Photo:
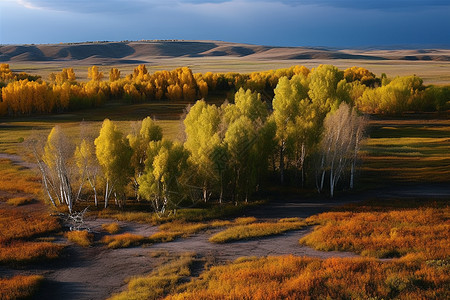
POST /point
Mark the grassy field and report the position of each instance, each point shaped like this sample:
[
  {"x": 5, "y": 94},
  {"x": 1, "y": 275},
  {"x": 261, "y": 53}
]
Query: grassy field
[
  {"x": 406, "y": 150},
  {"x": 435, "y": 72}
]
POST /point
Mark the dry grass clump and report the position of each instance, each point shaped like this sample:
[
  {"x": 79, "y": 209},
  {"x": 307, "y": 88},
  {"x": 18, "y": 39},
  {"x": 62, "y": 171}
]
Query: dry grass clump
[
  {"x": 123, "y": 240},
  {"x": 19, "y": 287},
  {"x": 129, "y": 216},
  {"x": 111, "y": 228},
  {"x": 253, "y": 230},
  {"x": 159, "y": 283},
  {"x": 290, "y": 277},
  {"x": 422, "y": 232},
  {"x": 28, "y": 252},
  {"x": 81, "y": 237},
  {"x": 18, "y": 201},
  {"x": 176, "y": 229},
  {"x": 244, "y": 220}
]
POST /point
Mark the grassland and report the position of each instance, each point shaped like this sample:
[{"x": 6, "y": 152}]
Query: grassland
[
  {"x": 406, "y": 151},
  {"x": 289, "y": 277},
  {"x": 432, "y": 72},
  {"x": 422, "y": 232}
]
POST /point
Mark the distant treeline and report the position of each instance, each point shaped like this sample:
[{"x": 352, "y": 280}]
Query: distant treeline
[{"x": 23, "y": 94}]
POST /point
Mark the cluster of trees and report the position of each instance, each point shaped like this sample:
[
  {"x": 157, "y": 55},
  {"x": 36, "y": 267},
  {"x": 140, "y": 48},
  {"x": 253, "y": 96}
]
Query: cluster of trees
[
  {"x": 22, "y": 94},
  {"x": 312, "y": 136}
]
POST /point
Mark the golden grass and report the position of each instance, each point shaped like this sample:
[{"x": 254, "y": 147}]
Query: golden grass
[
  {"x": 253, "y": 230},
  {"x": 290, "y": 277},
  {"x": 18, "y": 224},
  {"x": 16, "y": 180},
  {"x": 157, "y": 284},
  {"x": 19, "y": 287},
  {"x": 111, "y": 228},
  {"x": 28, "y": 252},
  {"x": 82, "y": 238},
  {"x": 123, "y": 240},
  {"x": 420, "y": 232},
  {"x": 19, "y": 201}
]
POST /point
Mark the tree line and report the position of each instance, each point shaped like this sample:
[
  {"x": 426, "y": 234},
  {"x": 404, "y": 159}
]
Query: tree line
[
  {"x": 23, "y": 94},
  {"x": 310, "y": 137}
]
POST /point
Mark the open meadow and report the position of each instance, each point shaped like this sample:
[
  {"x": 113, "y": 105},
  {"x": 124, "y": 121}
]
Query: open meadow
[{"x": 386, "y": 238}]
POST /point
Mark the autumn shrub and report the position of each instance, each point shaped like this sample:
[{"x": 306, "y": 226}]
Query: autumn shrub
[
  {"x": 28, "y": 252},
  {"x": 290, "y": 277},
  {"x": 19, "y": 287},
  {"x": 123, "y": 240},
  {"x": 111, "y": 228},
  {"x": 253, "y": 230},
  {"x": 82, "y": 237},
  {"x": 423, "y": 231}
]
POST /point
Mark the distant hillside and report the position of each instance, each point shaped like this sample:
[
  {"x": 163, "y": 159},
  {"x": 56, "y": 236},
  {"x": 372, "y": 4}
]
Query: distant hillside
[{"x": 145, "y": 51}]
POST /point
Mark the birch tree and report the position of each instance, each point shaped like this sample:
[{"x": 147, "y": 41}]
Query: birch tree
[
  {"x": 54, "y": 160},
  {"x": 343, "y": 132},
  {"x": 113, "y": 154}
]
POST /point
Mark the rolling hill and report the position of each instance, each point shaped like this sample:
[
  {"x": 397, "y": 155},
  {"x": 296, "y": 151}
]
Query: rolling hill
[{"x": 135, "y": 52}]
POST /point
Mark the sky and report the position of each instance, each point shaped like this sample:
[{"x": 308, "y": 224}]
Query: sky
[{"x": 328, "y": 23}]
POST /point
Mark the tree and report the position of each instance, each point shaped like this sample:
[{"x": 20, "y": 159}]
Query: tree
[
  {"x": 165, "y": 165},
  {"x": 113, "y": 154},
  {"x": 54, "y": 163},
  {"x": 94, "y": 74},
  {"x": 202, "y": 137},
  {"x": 340, "y": 144},
  {"x": 285, "y": 109},
  {"x": 143, "y": 133},
  {"x": 88, "y": 166},
  {"x": 114, "y": 74}
]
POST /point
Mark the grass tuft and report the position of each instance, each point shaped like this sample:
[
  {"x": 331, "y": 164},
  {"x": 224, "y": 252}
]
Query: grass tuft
[
  {"x": 123, "y": 240},
  {"x": 244, "y": 232},
  {"x": 19, "y": 201},
  {"x": 111, "y": 228},
  {"x": 82, "y": 238}
]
